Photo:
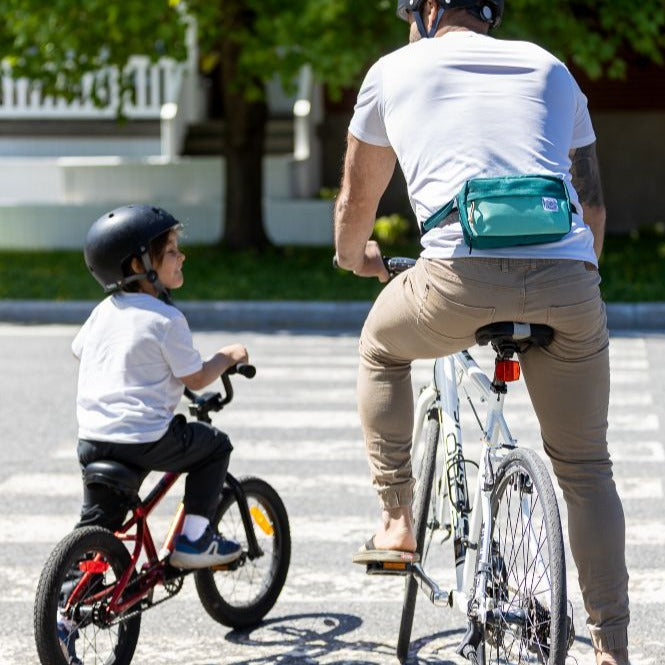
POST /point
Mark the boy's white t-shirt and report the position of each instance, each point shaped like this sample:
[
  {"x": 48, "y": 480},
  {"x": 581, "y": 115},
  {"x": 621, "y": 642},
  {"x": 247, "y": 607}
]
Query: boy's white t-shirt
[
  {"x": 131, "y": 349},
  {"x": 466, "y": 105}
]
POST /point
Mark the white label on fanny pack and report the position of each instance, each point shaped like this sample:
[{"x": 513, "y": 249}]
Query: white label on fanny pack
[{"x": 550, "y": 204}]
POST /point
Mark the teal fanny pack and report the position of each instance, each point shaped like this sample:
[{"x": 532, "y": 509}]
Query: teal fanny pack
[{"x": 508, "y": 211}]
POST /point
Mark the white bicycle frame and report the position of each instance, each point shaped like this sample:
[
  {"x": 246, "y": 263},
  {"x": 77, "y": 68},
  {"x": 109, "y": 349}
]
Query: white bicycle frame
[{"x": 442, "y": 394}]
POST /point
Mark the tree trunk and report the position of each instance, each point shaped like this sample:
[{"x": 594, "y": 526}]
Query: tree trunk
[{"x": 245, "y": 129}]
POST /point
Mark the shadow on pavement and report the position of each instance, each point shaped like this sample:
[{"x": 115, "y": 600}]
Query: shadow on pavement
[{"x": 308, "y": 639}]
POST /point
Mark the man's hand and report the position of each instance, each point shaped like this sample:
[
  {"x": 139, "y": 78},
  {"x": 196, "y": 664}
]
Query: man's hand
[{"x": 372, "y": 263}]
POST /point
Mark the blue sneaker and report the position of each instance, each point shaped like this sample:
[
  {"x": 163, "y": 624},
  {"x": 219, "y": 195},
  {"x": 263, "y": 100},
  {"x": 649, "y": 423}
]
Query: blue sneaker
[
  {"x": 209, "y": 550},
  {"x": 67, "y": 637}
]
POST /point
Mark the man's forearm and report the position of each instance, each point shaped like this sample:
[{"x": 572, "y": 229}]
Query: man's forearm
[
  {"x": 353, "y": 227},
  {"x": 367, "y": 171},
  {"x": 585, "y": 173}
]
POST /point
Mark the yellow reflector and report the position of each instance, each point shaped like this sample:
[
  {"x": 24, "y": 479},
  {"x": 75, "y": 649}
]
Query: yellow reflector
[
  {"x": 261, "y": 520},
  {"x": 389, "y": 565}
]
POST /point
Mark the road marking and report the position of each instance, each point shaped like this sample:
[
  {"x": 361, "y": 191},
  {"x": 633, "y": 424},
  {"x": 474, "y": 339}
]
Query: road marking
[
  {"x": 637, "y": 451},
  {"x": 42, "y": 484},
  {"x": 645, "y": 533},
  {"x": 639, "y": 488},
  {"x": 55, "y": 330}
]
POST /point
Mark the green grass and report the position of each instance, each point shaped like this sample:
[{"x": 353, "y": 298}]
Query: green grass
[
  {"x": 211, "y": 273},
  {"x": 632, "y": 268}
]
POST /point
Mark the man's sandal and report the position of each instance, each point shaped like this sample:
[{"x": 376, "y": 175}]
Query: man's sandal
[{"x": 387, "y": 562}]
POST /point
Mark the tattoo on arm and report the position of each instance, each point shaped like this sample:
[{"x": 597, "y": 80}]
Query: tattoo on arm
[{"x": 586, "y": 176}]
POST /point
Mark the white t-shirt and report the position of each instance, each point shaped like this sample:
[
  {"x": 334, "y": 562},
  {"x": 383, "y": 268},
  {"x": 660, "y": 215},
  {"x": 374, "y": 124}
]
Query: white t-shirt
[
  {"x": 132, "y": 348},
  {"x": 465, "y": 106}
]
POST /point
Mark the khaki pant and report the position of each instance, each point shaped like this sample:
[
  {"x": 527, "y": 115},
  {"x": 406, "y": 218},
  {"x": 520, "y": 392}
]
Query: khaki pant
[{"x": 434, "y": 310}]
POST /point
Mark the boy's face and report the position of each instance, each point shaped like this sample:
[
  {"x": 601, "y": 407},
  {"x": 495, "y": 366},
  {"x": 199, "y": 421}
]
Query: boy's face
[{"x": 169, "y": 269}]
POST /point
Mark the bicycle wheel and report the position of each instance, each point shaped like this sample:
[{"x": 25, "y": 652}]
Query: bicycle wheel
[
  {"x": 421, "y": 510},
  {"x": 241, "y": 597},
  {"x": 86, "y": 628},
  {"x": 527, "y": 578}
]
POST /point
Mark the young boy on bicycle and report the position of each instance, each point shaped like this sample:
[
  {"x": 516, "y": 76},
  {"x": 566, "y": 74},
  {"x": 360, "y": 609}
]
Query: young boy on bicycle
[{"x": 136, "y": 357}]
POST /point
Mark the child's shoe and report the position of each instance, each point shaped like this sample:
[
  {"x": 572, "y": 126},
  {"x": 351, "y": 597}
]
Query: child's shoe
[
  {"x": 67, "y": 637},
  {"x": 210, "y": 549}
]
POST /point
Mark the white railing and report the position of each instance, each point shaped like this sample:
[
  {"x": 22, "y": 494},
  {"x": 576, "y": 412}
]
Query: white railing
[
  {"x": 185, "y": 107},
  {"x": 307, "y": 115},
  {"x": 153, "y": 85}
]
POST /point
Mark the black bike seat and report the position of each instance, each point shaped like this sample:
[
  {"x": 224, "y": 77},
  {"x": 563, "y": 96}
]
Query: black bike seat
[
  {"x": 116, "y": 475},
  {"x": 520, "y": 336}
]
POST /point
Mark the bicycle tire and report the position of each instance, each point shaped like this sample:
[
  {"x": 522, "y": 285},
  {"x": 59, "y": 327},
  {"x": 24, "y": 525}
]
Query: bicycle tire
[
  {"x": 95, "y": 641},
  {"x": 530, "y": 590},
  {"x": 240, "y": 598},
  {"x": 421, "y": 504}
]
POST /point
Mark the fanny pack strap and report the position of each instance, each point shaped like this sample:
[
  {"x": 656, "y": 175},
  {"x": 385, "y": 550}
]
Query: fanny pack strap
[{"x": 434, "y": 220}]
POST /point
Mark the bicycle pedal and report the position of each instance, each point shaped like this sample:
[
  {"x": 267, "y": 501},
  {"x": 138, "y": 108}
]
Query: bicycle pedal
[
  {"x": 389, "y": 568},
  {"x": 240, "y": 561}
]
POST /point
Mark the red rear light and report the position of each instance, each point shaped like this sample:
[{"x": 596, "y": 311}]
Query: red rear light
[
  {"x": 507, "y": 370},
  {"x": 93, "y": 566}
]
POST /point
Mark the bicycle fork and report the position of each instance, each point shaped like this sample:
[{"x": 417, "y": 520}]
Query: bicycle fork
[{"x": 253, "y": 549}]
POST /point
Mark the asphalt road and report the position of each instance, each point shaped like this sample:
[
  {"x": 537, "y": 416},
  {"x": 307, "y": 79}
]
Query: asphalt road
[{"x": 295, "y": 425}]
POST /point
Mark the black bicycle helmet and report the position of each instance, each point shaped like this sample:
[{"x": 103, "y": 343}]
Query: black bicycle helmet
[
  {"x": 489, "y": 11},
  {"x": 118, "y": 236}
]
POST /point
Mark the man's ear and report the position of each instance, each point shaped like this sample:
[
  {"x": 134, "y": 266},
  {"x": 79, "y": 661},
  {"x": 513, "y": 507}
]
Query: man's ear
[{"x": 430, "y": 13}]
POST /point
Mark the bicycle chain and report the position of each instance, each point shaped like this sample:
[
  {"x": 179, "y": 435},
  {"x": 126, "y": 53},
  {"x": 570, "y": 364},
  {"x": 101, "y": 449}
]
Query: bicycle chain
[{"x": 173, "y": 587}]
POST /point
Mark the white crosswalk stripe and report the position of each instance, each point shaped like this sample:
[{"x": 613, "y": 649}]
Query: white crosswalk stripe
[{"x": 296, "y": 425}]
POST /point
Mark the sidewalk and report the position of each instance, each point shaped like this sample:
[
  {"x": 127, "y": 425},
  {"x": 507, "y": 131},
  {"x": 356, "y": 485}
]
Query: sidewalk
[{"x": 286, "y": 315}]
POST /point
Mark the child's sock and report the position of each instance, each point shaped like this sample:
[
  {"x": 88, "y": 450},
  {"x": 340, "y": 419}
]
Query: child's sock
[{"x": 194, "y": 526}]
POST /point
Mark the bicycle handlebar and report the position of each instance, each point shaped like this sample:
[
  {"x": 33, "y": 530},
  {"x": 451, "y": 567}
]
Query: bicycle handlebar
[
  {"x": 394, "y": 264},
  {"x": 245, "y": 369},
  {"x": 203, "y": 404},
  {"x": 397, "y": 264}
]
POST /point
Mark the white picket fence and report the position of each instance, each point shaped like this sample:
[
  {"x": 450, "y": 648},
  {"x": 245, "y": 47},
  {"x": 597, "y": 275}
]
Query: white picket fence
[{"x": 153, "y": 85}]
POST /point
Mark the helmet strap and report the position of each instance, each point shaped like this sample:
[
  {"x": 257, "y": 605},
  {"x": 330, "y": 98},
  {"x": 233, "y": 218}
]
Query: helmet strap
[
  {"x": 152, "y": 277},
  {"x": 435, "y": 26}
]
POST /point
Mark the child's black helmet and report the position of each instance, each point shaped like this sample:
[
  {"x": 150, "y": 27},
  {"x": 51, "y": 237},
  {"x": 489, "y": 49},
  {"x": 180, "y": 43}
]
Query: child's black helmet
[
  {"x": 489, "y": 11},
  {"x": 118, "y": 236}
]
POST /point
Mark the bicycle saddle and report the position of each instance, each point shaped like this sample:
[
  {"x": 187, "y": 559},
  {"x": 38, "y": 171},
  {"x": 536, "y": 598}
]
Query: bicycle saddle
[
  {"x": 116, "y": 475},
  {"x": 510, "y": 336}
]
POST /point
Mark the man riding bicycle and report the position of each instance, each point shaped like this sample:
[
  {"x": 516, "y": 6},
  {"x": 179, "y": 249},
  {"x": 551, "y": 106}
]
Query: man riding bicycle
[{"x": 469, "y": 117}]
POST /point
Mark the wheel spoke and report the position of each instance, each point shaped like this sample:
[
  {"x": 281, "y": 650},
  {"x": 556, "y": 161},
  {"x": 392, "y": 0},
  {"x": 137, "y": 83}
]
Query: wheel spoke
[
  {"x": 242, "y": 595},
  {"x": 524, "y": 564},
  {"x": 71, "y": 603}
]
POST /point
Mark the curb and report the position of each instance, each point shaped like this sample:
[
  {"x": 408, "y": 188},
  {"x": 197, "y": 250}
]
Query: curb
[
  {"x": 209, "y": 315},
  {"x": 285, "y": 315}
]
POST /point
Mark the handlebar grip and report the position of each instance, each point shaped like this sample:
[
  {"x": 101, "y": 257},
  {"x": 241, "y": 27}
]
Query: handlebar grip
[
  {"x": 397, "y": 264},
  {"x": 245, "y": 369}
]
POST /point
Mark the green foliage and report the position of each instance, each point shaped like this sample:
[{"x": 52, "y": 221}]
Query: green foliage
[
  {"x": 391, "y": 230},
  {"x": 56, "y": 42},
  {"x": 277, "y": 37},
  {"x": 328, "y": 193},
  {"x": 596, "y": 35}
]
